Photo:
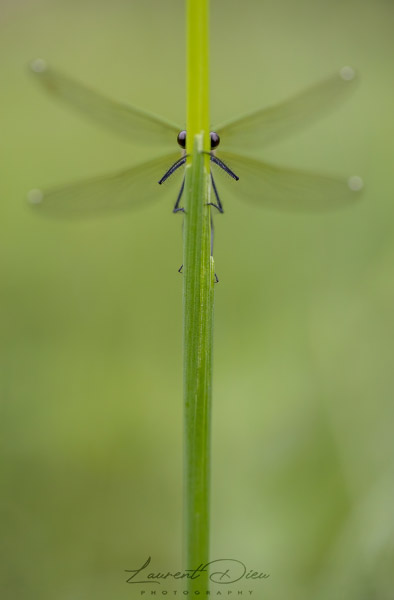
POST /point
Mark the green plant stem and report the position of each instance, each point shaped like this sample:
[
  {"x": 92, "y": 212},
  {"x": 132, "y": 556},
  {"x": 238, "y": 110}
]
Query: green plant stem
[{"x": 197, "y": 297}]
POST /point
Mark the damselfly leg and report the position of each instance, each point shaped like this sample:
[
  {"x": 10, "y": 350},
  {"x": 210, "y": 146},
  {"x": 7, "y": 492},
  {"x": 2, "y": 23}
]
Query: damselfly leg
[
  {"x": 223, "y": 166},
  {"x": 229, "y": 172},
  {"x": 176, "y": 207},
  {"x": 212, "y": 236},
  {"x": 168, "y": 174},
  {"x": 218, "y": 204},
  {"x": 173, "y": 168}
]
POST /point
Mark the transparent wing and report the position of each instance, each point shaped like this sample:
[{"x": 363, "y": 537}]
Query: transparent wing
[
  {"x": 127, "y": 120},
  {"x": 269, "y": 124},
  {"x": 116, "y": 192},
  {"x": 280, "y": 188}
]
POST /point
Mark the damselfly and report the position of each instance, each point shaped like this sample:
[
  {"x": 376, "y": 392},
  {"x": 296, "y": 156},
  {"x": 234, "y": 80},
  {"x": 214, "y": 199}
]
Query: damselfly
[{"x": 260, "y": 182}]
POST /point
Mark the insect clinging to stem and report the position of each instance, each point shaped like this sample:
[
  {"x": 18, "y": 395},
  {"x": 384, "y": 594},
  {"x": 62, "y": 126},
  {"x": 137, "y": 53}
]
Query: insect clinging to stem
[{"x": 260, "y": 182}]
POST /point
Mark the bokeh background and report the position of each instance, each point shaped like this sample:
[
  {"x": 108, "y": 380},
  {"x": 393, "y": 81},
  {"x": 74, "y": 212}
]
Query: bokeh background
[{"x": 91, "y": 322}]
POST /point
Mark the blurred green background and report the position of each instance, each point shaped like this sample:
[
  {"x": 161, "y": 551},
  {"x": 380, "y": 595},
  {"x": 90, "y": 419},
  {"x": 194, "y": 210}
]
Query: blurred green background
[{"x": 91, "y": 364}]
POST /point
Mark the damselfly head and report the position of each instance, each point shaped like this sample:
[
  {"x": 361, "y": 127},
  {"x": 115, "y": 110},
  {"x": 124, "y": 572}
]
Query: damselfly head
[
  {"x": 215, "y": 139},
  {"x": 181, "y": 139}
]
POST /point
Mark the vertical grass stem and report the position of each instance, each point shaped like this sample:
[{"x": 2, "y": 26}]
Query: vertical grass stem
[{"x": 198, "y": 298}]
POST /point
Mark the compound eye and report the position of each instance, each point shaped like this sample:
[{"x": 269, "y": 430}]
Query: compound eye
[
  {"x": 181, "y": 139},
  {"x": 215, "y": 140}
]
